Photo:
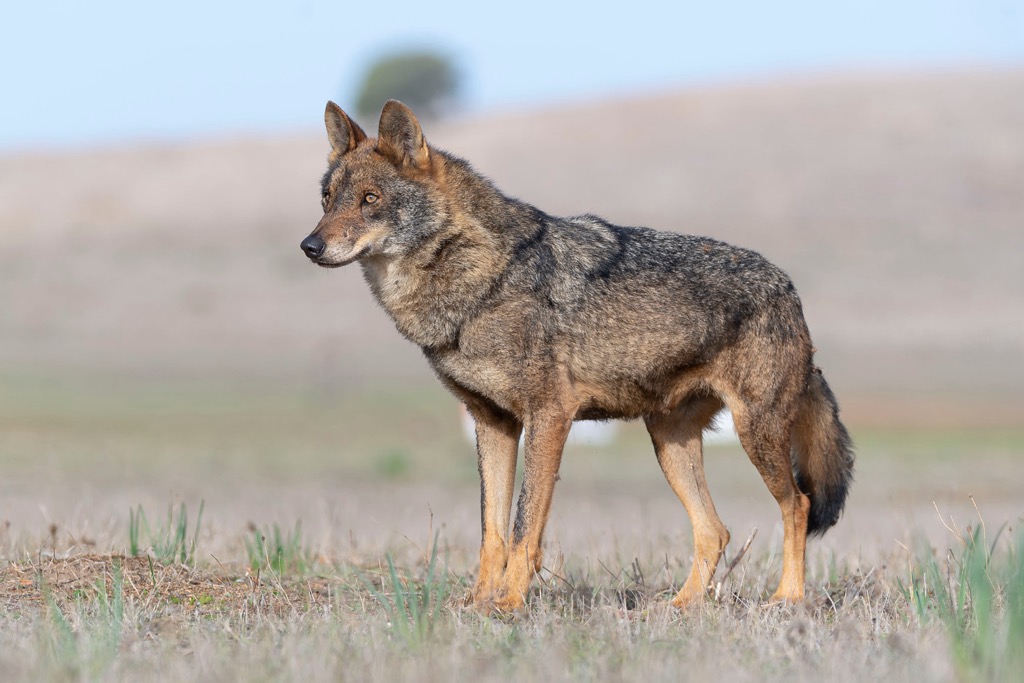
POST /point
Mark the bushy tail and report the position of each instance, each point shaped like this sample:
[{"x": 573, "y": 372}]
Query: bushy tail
[{"x": 822, "y": 454}]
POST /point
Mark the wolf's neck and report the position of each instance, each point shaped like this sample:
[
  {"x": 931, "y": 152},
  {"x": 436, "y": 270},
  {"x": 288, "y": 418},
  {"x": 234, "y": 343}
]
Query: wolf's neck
[
  {"x": 477, "y": 200},
  {"x": 430, "y": 294}
]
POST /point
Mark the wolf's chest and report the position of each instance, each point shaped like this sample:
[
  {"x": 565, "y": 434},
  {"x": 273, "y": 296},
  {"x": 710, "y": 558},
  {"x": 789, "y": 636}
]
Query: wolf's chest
[
  {"x": 497, "y": 377},
  {"x": 421, "y": 314}
]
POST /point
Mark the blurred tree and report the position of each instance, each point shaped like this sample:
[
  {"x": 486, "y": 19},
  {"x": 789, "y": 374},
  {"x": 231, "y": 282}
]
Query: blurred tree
[{"x": 426, "y": 81}]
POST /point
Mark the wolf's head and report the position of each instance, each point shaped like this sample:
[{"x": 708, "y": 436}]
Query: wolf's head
[{"x": 380, "y": 195}]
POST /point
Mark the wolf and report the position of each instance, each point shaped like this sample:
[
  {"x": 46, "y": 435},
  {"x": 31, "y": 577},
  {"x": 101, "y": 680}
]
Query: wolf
[{"x": 534, "y": 321}]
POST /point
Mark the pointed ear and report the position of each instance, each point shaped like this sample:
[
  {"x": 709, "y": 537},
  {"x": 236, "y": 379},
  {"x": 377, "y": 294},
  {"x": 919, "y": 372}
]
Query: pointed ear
[
  {"x": 342, "y": 131},
  {"x": 400, "y": 137}
]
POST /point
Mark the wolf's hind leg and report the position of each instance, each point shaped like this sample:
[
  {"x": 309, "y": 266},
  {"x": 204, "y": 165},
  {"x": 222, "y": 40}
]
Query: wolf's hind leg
[
  {"x": 766, "y": 439},
  {"x": 678, "y": 444},
  {"x": 497, "y": 444}
]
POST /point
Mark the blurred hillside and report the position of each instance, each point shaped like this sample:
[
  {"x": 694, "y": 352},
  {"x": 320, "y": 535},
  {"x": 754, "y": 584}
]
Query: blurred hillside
[{"x": 895, "y": 202}]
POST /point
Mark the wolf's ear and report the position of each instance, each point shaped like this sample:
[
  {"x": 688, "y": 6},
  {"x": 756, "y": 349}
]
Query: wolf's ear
[
  {"x": 400, "y": 137},
  {"x": 342, "y": 131}
]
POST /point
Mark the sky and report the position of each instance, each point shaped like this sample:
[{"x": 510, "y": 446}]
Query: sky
[{"x": 95, "y": 73}]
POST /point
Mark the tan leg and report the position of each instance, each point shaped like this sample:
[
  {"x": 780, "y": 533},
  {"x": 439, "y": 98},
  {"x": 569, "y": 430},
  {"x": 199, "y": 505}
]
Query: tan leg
[
  {"x": 545, "y": 437},
  {"x": 677, "y": 442},
  {"x": 769, "y": 449},
  {"x": 794, "y": 547},
  {"x": 497, "y": 443}
]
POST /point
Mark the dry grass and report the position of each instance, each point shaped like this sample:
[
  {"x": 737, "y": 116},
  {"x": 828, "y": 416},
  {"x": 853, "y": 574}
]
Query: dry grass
[
  {"x": 89, "y": 617},
  {"x": 319, "y": 602}
]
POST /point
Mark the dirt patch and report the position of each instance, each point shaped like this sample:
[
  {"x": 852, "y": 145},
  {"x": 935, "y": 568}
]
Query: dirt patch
[{"x": 190, "y": 591}]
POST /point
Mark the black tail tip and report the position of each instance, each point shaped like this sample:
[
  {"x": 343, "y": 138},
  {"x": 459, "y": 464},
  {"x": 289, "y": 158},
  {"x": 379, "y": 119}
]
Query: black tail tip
[
  {"x": 827, "y": 504},
  {"x": 822, "y": 517}
]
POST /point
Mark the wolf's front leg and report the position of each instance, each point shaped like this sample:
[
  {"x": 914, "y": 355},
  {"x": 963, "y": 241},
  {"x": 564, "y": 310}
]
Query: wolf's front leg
[
  {"x": 545, "y": 437},
  {"x": 497, "y": 446}
]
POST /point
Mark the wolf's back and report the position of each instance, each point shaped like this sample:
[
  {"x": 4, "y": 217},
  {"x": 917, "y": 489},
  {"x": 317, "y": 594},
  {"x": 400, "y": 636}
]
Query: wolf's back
[{"x": 587, "y": 250}]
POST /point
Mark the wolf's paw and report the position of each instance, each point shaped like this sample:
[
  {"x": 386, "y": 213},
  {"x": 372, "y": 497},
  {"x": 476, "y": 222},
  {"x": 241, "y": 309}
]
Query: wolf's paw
[
  {"x": 687, "y": 600},
  {"x": 692, "y": 594},
  {"x": 509, "y": 603},
  {"x": 787, "y": 594},
  {"x": 481, "y": 601},
  {"x": 485, "y": 590}
]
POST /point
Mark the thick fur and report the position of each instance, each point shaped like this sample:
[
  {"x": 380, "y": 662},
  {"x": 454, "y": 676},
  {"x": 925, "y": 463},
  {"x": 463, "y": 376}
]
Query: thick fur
[
  {"x": 822, "y": 454},
  {"x": 534, "y": 321}
]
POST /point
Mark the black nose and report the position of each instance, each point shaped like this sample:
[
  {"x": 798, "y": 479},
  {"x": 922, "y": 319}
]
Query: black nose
[{"x": 313, "y": 246}]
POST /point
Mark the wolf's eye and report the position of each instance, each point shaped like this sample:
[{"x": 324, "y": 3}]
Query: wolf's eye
[
  {"x": 370, "y": 198},
  {"x": 325, "y": 199}
]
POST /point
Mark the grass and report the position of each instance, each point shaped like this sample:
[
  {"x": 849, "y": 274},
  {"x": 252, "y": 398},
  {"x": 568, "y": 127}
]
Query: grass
[
  {"x": 75, "y": 653},
  {"x": 935, "y": 615},
  {"x": 167, "y": 543},
  {"x": 977, "y": 595},
  {"x": 413, "y": 608},
  {"x": 281, "y": 552},
  {"x": 96, "y": 587}
]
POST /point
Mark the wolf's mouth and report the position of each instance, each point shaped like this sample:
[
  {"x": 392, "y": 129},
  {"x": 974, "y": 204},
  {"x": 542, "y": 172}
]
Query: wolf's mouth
[{"x": 324, "y": 263}]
